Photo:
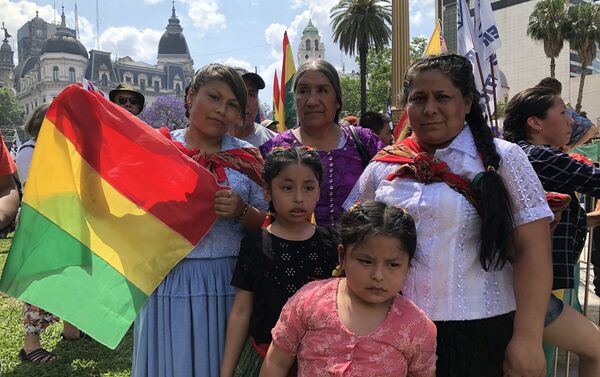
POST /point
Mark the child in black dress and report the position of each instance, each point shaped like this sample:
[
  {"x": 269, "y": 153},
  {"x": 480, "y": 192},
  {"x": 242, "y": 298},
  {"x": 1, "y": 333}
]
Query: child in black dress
[{"x": 277, "y": 261}]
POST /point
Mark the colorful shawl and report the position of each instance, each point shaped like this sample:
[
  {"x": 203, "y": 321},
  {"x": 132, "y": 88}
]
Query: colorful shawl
[
  {"x": 245, "y": 160},
  {"x": 424, "y": 167}
]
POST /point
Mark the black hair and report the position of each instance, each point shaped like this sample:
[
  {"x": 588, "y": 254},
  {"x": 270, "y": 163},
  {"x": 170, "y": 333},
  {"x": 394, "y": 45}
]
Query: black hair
[
  {"x": 280, "y": 158},
  {"x": 330, "y": 72},
  {"x": 496, "y": 232},
  {"x": 552, "y": 83},
  {"x": 34, "y": 122},
  {"x": 221, "y": 72},
  {"x": 375, "y": 218},
  {"x": 530, "y": 102},
  {"x": 373, "y": 121}
]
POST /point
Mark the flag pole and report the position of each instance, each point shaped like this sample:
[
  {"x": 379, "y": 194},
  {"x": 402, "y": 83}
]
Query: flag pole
[
  {"x": 497, "y": 130},
  {"x": 484, "y": 94}
]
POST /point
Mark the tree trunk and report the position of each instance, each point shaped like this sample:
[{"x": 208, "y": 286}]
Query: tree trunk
[
  {"x": 552, "y": 67},
  {"x": 362, "y": 57},
  {"x": 580, "y": 94}
]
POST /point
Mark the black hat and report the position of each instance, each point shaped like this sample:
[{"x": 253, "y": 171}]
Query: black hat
[
  {"x": 254, "y": 77},
  {"x": 125, "y": 87}
]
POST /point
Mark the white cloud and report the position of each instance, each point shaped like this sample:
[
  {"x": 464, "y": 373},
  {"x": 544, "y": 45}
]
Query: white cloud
[
  {"x": 237, "y": 63},
  {"x": 152, "y": 2},
  {"x": 416, "y": 18},
  {"x": 140, "y": 45},
  {"x": 205, "y": 14}
]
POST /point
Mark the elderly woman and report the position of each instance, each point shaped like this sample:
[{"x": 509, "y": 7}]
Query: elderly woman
[
  {"x": 181, "y": 328},
  {"x": 344, "y": 151},
  {"x": 483, "y": 270}
]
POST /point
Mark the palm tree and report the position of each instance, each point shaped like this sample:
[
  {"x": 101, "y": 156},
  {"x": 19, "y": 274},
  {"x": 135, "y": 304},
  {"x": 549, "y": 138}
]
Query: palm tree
[
  {"x": 583, "y": 35},
  {"x": 547, "y": 24},
  {"x": 359, "y": 25}
]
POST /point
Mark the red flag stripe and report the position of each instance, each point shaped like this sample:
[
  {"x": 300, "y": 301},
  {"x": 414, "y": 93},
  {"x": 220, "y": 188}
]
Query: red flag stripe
[{"x": 132, "y": 157}]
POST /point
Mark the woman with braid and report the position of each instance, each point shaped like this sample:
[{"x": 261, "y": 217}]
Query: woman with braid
[{"x": 484, "y": 272}]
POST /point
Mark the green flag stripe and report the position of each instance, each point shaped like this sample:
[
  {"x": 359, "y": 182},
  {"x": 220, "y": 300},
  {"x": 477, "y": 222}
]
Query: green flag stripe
[
  {"x": 289, "y": 105},
  {"x": 48, "y": 268}
]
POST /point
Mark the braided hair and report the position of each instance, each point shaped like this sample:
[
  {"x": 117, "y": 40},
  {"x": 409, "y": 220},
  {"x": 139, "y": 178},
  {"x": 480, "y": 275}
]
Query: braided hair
[
  {"x": 372, "y": 218},
  {"x": 496, "y": 232}
]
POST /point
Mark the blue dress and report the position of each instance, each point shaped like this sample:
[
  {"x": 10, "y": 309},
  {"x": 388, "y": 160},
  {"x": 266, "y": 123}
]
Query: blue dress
[{"x": 181, "y": 328}]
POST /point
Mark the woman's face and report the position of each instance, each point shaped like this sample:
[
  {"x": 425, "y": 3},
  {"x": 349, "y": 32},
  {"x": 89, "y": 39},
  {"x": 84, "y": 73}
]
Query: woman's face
[
  {"x": 214, "y": 109},
  {"x": 316, "y": 102},
  {"x": 556, "y": 128},
  {"x": 436, "y": 110}
]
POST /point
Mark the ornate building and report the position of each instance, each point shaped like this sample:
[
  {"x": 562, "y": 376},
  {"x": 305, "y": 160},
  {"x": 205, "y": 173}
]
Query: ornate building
[
  {"x": 51, "y": 57},
  {"x": 311, "y": 47},
  {"x": 6, "y": 60}
]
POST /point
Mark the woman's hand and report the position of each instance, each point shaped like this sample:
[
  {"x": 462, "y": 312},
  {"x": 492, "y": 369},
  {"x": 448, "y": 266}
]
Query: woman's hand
[
  {"x": 228, "y": 204},
  {"x": 524, "y": 358}
]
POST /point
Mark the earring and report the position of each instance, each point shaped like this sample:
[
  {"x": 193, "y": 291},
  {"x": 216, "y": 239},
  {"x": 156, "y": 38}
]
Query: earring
[{"x": 337, "y": 271}]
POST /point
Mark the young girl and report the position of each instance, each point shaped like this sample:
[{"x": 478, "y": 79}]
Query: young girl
[
  {"x": 359, "y": 325},
  {"x": 275, "y": 262}
]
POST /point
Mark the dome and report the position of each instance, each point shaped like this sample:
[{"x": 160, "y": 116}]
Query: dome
[
  {"x": 63, "y": 41},
  {"x": 503, "y": 80},
  {"x": 172, "y": 41},
  {"x": 5, "y": 47},
  {"x": 310, "y": 29}
]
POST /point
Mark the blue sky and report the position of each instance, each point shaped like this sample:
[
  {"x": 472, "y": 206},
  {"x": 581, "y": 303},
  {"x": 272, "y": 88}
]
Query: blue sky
[{"x": 241, "y": 33}]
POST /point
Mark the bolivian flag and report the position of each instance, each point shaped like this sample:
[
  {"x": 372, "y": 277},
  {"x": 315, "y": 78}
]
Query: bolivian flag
[
  {"x": 287, "y": 108},
  {"x": 110, "y": 207}
]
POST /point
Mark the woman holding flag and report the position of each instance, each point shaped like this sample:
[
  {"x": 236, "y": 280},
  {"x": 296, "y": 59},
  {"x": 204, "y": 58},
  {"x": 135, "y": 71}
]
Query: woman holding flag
[
  {"x": 483, "y": 273},
  {"x": 344, "y": 151},
  {"x": 181, "y": 329}
]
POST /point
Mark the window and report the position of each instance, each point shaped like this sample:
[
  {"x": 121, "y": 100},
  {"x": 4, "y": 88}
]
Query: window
[
  {"x": 178, "y": 89},
  {"x": 308, "y": 45},
  {"x": 71, "y": 74},
  {"x": 55, "y": 74},
  {"x": 316, "y": 45},
  {"x": 306, "y": 57},
  {"x": 156, "y": 86},
  {"x": 104, "y": 80},
  {"x": 143, "y": 84},
  {"x": 128, "y": 80}
]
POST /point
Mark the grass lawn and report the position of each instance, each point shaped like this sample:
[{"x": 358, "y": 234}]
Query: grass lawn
[{"x": 79, "y": 358}]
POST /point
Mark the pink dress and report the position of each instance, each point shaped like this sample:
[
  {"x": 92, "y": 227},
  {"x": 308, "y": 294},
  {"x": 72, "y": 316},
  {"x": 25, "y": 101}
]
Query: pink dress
[{"x": 310, "y": 328}]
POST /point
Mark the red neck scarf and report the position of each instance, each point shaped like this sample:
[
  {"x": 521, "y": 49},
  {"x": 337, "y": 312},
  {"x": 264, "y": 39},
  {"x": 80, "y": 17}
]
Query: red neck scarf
[
  {"x": 245, "y": 160},
  {"x": 416, "y": 163}
]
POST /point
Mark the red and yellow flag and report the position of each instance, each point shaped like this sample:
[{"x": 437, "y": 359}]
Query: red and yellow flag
[
  {"x": 276, "y": 99},
  {"x": 287, "y": 108},
  {"x": 437, "y": 44},
  {"x": 110, "y": 206}
]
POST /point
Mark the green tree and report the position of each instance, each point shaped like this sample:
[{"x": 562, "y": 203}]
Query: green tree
[
  {"x": 584, "y": 34},
  {"x": 417, "y": 47},
  {"x": 359, "y": 25},
  {"x": 379, "y": 66},
  {"x": 547, "y": 23},
  {"x": 11, "y": 113},
  {"x": 350, "y": 95}
]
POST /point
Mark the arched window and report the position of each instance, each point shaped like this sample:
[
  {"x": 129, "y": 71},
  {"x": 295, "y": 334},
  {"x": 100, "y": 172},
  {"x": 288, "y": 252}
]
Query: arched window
[
  {"x": 308, "y": 45},
  {"x": 306, "y": 57},
  {"x": 178, "y": 89},
  {"x": 71, "y": 74},
  {"x": 55, "y": 74},
  {"x": 316, "y": 45},
  {"x": 104, "y": 80}
]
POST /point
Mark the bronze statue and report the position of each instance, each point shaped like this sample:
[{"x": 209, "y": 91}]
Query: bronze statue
[{"x": 6, "y": 35}]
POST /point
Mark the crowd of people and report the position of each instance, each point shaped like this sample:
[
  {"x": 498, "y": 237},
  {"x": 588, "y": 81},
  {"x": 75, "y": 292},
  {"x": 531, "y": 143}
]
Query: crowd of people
[{"x": 338, "y": 251}]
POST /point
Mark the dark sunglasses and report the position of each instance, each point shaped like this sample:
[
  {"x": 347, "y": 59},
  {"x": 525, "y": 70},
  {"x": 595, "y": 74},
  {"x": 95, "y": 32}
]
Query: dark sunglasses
[{"x": 123, "y": 100}]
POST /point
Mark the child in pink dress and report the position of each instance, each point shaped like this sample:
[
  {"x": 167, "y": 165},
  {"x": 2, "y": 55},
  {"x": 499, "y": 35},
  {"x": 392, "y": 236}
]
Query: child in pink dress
[{"x": 358, "y": 325}]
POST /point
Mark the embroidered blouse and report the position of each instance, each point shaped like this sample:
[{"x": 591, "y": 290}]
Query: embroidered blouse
[
  {"x": 309, "y": 327},
  {"x": 447, "y": 281}
]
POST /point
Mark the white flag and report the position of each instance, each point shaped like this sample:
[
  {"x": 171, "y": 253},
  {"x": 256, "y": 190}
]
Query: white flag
[
  {"x": 16, "y": 144},
  {"x": 481, "y": 67},
  {"x": 488, "y": 38}
]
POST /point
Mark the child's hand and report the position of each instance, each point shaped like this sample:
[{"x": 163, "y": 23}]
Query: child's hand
[{"x": 228, "y": 204}]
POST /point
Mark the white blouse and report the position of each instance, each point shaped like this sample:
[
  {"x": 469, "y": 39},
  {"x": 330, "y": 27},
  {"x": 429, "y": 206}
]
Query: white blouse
[{"x": 446, "y": 279}]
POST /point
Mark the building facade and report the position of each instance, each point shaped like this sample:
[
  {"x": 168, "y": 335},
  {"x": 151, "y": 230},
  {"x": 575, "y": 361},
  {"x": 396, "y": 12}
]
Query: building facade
[{"x": 50, "y": 57}]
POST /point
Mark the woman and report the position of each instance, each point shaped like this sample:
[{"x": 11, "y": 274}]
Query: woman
[
  {"x": 537, "y": 120},
  {"x": 36, "y": 320},
  {"x": 318, "y": 97},
  {"x": 478, "y": 206},
  {"x": 181, "y": 329}
]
